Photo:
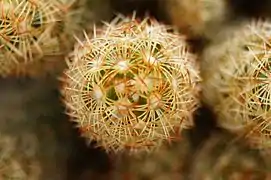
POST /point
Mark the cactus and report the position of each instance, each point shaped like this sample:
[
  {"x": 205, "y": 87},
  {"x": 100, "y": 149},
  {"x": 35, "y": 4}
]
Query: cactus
[
  {"x": 132, "y": 85},
  {"x": 221, "y": 156},
  {"x": 30, "y": 31},
  {"x": 196, "y": 17},
  {"x": 236, "y": 82},
  {"x": 227, "y": 158}
]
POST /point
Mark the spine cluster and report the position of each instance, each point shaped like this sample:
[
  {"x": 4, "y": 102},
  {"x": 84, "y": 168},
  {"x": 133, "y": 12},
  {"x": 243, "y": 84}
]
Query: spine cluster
[
  {"x": 30, "y": 30},
  {"x": 131, "y": 85}
]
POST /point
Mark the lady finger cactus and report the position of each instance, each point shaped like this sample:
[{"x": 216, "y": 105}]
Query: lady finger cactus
[
  {"x": 238, "y": 82},
  {"x": 132, "y": 85},
  {"x": 28, "y": 31}
]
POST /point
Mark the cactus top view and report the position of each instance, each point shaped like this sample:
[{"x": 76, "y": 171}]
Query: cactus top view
[
  {"x": 237, "y": 82},
  {"x": 135, "y": 90},
  {"x": 132, "y": 85}
]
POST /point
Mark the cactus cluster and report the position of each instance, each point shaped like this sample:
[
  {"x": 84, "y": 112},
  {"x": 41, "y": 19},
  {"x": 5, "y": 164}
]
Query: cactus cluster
[
  {"x": 132, "y": 85},
  {"x": 239, "y": 88}
]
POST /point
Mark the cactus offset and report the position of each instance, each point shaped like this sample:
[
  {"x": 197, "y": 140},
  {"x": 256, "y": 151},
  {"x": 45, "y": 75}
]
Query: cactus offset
[
  {"x": 29, "y": 31},
  {"x": 237, "y": 82}
]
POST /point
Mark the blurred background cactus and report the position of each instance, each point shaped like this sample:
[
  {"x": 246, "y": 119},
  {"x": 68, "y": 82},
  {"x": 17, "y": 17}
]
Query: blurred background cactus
[
  {"x": 132, "y": 85},
  {"x": 18, "y": 159},
  {"x": 37, "y": 34},
  {"x": 236, "y": 82},
  {"x": 27, "y": 29},
  {"x": 30, "y": 147},
  {"x": 197, "y": 17},
  {"x": 223, "y": 156}
]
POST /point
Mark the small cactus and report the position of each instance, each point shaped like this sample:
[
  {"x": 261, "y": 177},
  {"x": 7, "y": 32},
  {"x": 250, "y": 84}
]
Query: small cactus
[
  {"x": 29, "y": 31},
  {"x": 132, "y": 85},
  {"x": 236, "y": 82}
]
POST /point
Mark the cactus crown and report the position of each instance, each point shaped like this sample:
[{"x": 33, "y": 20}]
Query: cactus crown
[{"x": 131, "y": 85}]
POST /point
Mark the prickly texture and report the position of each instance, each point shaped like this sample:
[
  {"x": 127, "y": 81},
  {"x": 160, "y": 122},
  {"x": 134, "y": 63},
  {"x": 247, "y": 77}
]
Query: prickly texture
[
  {"x": 30, "y": 31},
  {"x": 225, "y": 157},
  {"x": 132, "y": 85},
  {"x": 196, "y": 17},
  {"x": 166, "y": 163},
  {"x": 236, "y": 82}
]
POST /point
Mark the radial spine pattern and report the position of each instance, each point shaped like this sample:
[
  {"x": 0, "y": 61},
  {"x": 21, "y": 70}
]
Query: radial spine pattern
[
  {"x": 238, "y": 82},
  {"x": 28, "y": 31},
  {"x": 132, "y": 85}
]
